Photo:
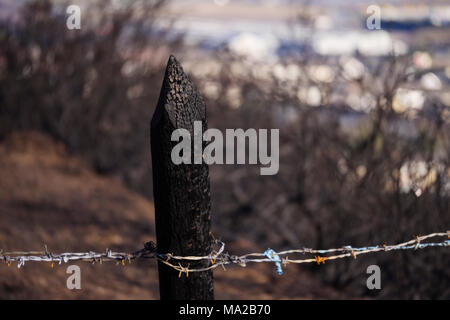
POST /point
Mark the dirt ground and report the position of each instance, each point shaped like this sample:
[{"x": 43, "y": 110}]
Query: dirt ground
[{"x": 50, "y": 197}]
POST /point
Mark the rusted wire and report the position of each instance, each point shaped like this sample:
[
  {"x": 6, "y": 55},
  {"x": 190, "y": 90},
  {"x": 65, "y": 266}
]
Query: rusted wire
[{"x": 220, "y": 258}]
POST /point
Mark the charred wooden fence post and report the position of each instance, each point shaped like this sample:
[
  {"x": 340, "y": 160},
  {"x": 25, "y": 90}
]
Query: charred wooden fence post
[{"x": 181, "y": 192}]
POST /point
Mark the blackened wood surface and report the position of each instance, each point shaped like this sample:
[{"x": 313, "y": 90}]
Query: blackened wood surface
[{"x": 181, "y": 192}]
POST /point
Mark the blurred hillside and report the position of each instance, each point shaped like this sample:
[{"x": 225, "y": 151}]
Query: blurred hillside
[{"x": 49, "y": 197}]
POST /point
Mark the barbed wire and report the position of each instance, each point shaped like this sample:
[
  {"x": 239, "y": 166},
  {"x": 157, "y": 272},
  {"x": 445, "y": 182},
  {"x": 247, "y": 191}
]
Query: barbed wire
[{"x": 219, "y": 258}]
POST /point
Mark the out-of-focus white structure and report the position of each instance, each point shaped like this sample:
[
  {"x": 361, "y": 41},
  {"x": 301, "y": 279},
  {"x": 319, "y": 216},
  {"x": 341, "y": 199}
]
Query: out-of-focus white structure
[
  {"x": 254, "y": 46},
  {"x": 368, "y": 43}
]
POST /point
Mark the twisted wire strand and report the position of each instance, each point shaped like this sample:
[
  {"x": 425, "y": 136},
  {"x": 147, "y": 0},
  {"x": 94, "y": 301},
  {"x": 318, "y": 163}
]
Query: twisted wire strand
[{"x": 219, "y": 257}]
